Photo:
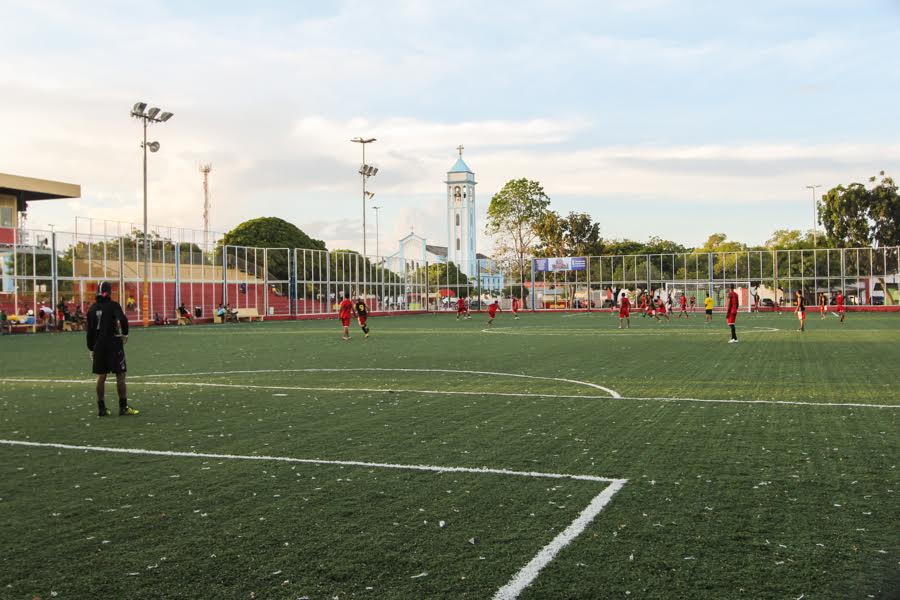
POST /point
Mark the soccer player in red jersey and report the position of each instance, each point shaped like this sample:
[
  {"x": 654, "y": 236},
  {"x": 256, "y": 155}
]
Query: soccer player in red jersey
[
  {"x": 492, "y": 311},
  {"x": 625, "y": 311},
  {"x": 840, "y": 305},
  {"x": 346, "y": 311},
  {"x": 683, "y": 302},
  {"x": 515, "y": 308},
  {"x": 661, "y": 310},
  {"x": 461, "y": 308},
  {"x": 731, "y": 309}
]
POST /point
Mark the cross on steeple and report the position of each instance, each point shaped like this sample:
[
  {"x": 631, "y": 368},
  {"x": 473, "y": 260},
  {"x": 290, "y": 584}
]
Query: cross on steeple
[{"x": 460, "y": 148}]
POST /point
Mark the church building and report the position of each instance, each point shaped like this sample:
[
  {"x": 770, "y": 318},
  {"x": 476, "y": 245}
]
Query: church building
[{"x": 462, "y": 226}]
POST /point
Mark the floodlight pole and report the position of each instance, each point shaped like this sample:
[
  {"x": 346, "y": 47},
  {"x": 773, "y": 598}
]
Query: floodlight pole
[
  {"x": 147, "y": 117},
  {"x": 362, "y": 172},
  {"x": 377, "y": 248},
  {"x": 815, "y": 212}
]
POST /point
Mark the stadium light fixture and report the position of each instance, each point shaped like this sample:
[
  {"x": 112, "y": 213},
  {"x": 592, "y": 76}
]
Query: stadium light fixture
[
  {"x": 365, "y": 171},
  {"x": 137, "y": 111}
]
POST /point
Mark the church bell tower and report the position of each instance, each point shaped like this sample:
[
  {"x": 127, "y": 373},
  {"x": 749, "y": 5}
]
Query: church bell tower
[{"x": 461, "y": 230}]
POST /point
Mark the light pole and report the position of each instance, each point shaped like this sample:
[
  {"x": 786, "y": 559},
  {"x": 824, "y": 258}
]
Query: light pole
[
  {"x": 366, "y": 171},
  {"x": 815, "y": 212},
  {"x": 147, "y": 117},
  {"x": 377, "y": 248}
]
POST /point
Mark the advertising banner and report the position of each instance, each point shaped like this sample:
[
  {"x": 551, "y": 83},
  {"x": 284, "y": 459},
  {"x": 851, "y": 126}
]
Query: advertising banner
[{"x": 563, "y": 263}]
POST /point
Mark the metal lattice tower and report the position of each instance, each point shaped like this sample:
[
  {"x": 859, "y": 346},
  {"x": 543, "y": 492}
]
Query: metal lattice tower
[{"x": 205, "y": 169}]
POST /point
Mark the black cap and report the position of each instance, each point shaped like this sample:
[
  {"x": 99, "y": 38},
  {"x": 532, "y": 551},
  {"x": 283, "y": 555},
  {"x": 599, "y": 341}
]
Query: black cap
[{"x": 104, "y": 288}]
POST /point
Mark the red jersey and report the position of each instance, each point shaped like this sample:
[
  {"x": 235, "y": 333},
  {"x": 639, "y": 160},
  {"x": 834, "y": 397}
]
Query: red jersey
[
  {"x": 661, "y": 307},
  {"x": 683, "y": 302},
  {"x": 346, "y": 308},
  {"x": 492, "y": 310},
  {"x": 625, "y": 302},
  {"x": 733, "y": 303},
  {"x": 461, "y": 305},
  {"x": 840, "y": 301},
  {"x": 515, "y": 304}
]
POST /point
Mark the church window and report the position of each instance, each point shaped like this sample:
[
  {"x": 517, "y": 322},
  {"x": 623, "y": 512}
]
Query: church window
[
  {"x": 457, "y": 244},
  {"x": 457, "y": 219}
]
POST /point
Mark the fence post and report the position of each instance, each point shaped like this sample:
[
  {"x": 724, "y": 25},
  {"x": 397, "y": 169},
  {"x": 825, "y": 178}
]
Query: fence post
[
  {"x": 224, "y": 275},
  {"x": 54, "y": 274},
  {"x": 533, "y": 295}
]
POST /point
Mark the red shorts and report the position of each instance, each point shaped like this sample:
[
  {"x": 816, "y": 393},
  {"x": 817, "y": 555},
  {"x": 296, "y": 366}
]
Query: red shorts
[
  {"x": 730, "y": 318},
  {"x": 345, "y": 321},
  {"x": 492, "y": 314},
  {"x": 840, "y": 308},
  {"x": 362, "y": 321},
  {"x": 624, "y": 312},
  {"x": 460, "y": 311}
]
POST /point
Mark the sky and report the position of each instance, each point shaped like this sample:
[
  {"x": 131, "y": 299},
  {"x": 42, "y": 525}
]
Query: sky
[{"x": 658, "y": 118}]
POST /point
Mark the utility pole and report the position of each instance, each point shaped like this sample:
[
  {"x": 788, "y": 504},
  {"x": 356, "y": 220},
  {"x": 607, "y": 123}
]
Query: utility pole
[
  {"x": 377, "y": 249},
  {"x": 205, "y": 169},
  {"x": 815, "y": 212}
]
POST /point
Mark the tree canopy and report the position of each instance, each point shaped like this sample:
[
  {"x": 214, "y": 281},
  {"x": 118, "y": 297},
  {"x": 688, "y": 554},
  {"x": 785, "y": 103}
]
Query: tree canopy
[
  {"x": 270, "y": 232},
  {"x": 514, "y": 214},
  {"x": 855, "y": 215}
]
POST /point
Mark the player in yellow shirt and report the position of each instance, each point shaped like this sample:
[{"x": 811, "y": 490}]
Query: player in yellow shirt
[{"x": 708, "y": 305}]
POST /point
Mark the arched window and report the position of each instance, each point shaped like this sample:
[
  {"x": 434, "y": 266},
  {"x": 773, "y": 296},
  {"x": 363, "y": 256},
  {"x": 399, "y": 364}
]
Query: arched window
[
  {"x": 457, "y": 219},
  {"x": 457, "y": 244}
]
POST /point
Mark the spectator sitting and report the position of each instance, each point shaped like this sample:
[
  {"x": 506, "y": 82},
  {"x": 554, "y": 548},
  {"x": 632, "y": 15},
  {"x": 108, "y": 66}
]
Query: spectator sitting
[
  {"x": 185, "y": 314},
  {"x": 5, "y": 325},
  {"x": 220, "y": 312},
  {"x": 130, "y": 303}
]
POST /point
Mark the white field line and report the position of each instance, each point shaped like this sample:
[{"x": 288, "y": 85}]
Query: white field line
[
  {"x": 510, "y": 591},
  {"x": 530, "y": 571},
  {"x": 616, "y": 332},
  {"x": 466, "y": 393},
  {"x": 611, "y": 392}
]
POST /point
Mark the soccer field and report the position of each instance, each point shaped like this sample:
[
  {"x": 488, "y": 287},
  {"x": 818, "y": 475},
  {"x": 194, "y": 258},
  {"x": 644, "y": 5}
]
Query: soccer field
[{"x": 550, "y": 457}]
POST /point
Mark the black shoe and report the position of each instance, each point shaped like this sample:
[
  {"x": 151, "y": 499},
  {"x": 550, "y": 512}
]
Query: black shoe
[{"x": 104, "y": 412}]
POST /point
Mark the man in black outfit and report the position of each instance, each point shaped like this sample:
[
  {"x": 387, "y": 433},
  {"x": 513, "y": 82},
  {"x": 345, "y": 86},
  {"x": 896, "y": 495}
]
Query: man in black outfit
[{"x": 107, "y": 334}]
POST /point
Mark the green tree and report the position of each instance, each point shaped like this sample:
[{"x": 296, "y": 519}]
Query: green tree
[
  {"x": 514, "y": 215},
  {"x": 790, "y": 239},
  {"x": 857, "y": 216},
  {"x": 270, "y": 232}
]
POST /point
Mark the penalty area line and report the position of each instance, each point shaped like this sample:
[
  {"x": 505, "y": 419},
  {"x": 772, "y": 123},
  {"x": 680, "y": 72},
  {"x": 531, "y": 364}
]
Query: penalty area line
[{"x": 521, "y": 580}]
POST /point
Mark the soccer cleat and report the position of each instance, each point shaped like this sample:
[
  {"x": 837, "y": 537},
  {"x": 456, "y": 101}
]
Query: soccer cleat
[
  {"x": 128, "y": 412},
  {"x": 104, "y": 413}
]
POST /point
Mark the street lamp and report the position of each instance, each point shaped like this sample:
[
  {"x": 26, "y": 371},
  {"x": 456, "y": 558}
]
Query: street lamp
[
  {"x": 151, "y": 116},
  {"x": 366, "y": 171},
  {"x": 377, "y": 250},
  {"x": 815, "y": 211}
]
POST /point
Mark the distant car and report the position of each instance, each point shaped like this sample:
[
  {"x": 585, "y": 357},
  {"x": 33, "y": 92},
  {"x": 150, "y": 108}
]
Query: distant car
[
  {"x": 767, "y": 302},
  {"x": 475, "y": 305},
  {"x": 877, "y": 300}
]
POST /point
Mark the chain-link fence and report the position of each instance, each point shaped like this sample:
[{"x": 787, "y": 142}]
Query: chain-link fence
[{"x": 60, "y": 269}]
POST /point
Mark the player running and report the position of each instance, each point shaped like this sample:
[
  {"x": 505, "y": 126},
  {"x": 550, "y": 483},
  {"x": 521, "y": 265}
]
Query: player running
[
  {"x": 625, "y": 311},
  {"x": 683, "y": 303},
  {"x": 346, "y": 312},
  {"x": 362, "y": 314},
  {"x": 107, "y": 334},
  {"x": 492, "y": 312},
  {"x": 462, "y": 308},
  {"x": 800, "y": 309},
  {"x": 731, "y": 309},
  {"x": 708, "y": 307},
  {"x": 515, "y": 308},
  {"x": 823, "y": 305},
  {"x": 661, "y": 310},
  {"x": 840, "y": 305}
]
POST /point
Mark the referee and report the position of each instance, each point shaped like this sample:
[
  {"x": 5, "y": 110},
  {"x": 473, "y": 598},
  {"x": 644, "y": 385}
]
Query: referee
[{"x": 107, "y": 334}]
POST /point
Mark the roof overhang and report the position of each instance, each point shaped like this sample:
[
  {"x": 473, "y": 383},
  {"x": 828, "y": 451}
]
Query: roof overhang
[{"x": 26, "y": 189}]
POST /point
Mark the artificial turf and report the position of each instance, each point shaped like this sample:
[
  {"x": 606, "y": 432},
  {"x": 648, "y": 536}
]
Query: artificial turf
[{"x": 796, "y": 496}]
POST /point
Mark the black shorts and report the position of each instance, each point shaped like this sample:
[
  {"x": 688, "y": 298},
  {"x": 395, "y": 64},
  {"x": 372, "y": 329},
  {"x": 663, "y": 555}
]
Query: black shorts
[
  {"x": 109, "y": 360},
  {"x": 709, "y": 311}
]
